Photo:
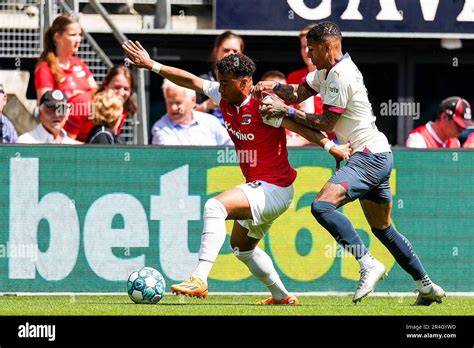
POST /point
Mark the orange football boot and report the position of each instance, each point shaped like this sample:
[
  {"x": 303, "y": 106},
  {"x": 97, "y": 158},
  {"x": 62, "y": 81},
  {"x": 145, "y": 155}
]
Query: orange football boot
[
  {"x": 291, "y": 300},
  {"x": 192, "y": 287}
]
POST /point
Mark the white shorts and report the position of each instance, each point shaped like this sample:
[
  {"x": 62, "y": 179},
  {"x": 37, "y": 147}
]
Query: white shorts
[{"x": 267, "y": 202}]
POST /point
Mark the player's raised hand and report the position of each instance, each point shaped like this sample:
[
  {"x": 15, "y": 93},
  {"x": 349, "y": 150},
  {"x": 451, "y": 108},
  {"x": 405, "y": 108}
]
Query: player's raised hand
[
  {"x": 138, "y": 55},
  {"x": 270, "y": 108},
  {"x": 341, "y": 153},
  {"x": 261, "y": 87}
]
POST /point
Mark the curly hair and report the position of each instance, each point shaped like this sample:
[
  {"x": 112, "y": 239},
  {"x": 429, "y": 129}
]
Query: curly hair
[
  {"x": 237, "y": 64},
  {"x": 108, "y": 108},
  {"x": 324, "y": 30}
]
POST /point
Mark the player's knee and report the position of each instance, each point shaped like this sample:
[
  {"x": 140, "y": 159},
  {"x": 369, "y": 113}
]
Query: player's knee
[
  {"x": 214, "y": 209},
  {"x": 320, "y": 208},
  {"x": 381, "y": 230},
  {"x": 242, "y": 255}
]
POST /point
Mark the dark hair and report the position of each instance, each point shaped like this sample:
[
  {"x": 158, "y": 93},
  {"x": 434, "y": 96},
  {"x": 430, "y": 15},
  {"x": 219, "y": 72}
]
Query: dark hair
[
  {"x": 49, "y": 52},
  {"x": 228, "y": 35},
  {"x": 324, "y": 30},
  {"x": 129, "y": 105},
  {"x": 237, "y": 64},
  {"x": 220, "y": 40},
  {"x": 306, "y": 29},
  {"x": 273, "y": 73}
]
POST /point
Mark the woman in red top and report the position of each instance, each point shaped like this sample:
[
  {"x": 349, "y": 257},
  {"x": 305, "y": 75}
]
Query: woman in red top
[
  {"x": 120, "y": 80},
  {"x": 58, "y": 68}
]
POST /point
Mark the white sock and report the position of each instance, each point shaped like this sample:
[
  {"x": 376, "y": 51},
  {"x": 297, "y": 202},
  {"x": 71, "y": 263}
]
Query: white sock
[
  {"x": 213, "y": 237},
  {"x": 425, "y": 281},
  {"x": 261, "y": 266},
  {"x": 366, "y": 260}
]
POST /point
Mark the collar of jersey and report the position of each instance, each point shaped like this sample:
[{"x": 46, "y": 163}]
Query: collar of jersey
[
  {"x": 245, "y": 102},
  {"x": 345, "y": 56}
]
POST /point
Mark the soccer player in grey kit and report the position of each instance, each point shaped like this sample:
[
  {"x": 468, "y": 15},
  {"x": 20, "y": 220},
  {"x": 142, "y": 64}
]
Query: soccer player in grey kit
[{"x": 348, "y": 112}]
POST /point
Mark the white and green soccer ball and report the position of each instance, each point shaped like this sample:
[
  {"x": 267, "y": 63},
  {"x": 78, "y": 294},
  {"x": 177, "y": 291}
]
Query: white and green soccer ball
[{"x": 146, "y": 285}]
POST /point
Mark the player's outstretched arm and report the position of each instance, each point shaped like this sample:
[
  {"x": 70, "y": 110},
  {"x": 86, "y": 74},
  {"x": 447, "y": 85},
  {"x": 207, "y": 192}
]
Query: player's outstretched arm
[
  {"x": 339, "y": 152},
  {"x": 293, "y": 94},
  {"x": 141, "y": 59}
]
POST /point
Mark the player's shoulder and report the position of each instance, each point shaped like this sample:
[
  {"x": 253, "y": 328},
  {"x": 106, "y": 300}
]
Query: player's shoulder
[{"x": 345, "y": 66}]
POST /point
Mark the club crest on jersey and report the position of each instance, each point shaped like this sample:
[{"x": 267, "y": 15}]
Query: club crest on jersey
[{"x": 246, "y": 119}]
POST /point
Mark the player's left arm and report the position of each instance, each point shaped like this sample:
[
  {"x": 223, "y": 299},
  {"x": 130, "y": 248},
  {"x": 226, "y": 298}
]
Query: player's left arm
[{"x": 339, "y": 152}]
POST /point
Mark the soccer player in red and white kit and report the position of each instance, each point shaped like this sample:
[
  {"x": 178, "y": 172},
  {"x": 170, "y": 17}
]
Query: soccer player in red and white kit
[{"x": 268, "y": 190}]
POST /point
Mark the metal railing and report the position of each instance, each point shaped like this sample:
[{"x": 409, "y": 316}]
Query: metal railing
[
  {"x": 140, "y": 120},
  {"x": 99, "y": 63},
  {"x": 20, "y": 34}
]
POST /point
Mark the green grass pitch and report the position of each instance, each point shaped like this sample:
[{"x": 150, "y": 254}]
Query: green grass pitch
[{"x": 227, "y": 305}]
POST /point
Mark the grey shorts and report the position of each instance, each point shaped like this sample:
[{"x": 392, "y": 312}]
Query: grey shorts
[{"x": 366, "y": 176}]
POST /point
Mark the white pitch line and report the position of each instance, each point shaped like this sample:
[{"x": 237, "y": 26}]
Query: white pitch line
[{"x": 316, "y": 294}]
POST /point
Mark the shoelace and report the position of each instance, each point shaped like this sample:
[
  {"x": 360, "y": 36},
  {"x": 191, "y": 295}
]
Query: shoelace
[{"x": 363, "y": 276}]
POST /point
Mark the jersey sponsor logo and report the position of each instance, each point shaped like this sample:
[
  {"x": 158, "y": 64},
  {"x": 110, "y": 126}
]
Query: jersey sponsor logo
[
  {"x": 239, "y": 135},
  {"x": 246, "y": 119},
  {"x": 333, "y": 89}
]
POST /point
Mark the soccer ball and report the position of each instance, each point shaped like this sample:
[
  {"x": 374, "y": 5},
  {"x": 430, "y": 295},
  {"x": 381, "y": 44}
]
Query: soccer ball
[{"x": 146, "y": 285}]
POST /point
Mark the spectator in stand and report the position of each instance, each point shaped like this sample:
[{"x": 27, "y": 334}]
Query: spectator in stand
[
  {"x": 225, "y": 44},
  {"x": 120, "y": 80},
  {"x": 108, "y": 115},
  {"x": 292, "y": 138},
  {"x": 8, "y": 131},
  {"x": 184, "y": 126},
  {"x": 313, "y": 105},
  {"x": 58, "y": 68},
  {"x": 454, "y": 116},
  {"x": 53, "y": 113}
]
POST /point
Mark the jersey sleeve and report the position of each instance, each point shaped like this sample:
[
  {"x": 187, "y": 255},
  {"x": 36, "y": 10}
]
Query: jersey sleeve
[
  {"x": 211, "y": 89},
  {"x": 44, "y": 78},
  {"x": 336, "y": 95},
  {"x": 311, "y": 82}
]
